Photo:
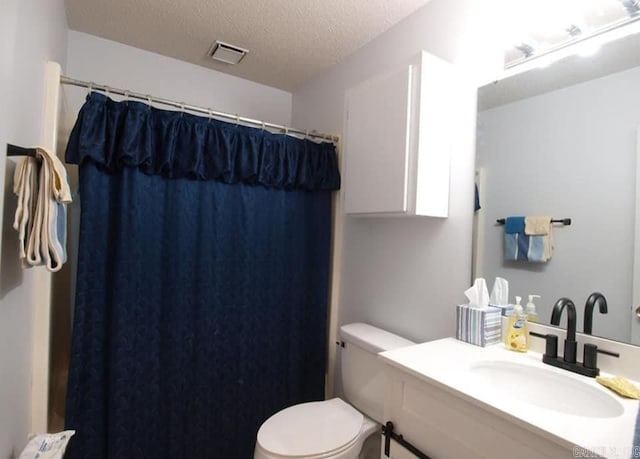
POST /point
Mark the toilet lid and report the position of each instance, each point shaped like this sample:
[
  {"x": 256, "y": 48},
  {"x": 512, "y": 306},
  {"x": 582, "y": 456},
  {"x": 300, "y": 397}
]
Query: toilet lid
[{"x": 310, "y": 428}]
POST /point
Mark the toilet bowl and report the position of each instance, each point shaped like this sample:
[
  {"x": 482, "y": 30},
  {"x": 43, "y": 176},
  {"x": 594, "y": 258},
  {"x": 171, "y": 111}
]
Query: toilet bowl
[
  {"x": 336, "y": 428},
  {"x": 329, "y": 429}
]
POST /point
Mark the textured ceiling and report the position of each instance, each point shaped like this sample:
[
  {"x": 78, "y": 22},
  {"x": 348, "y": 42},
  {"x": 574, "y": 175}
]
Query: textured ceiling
[{"x": 289, "y": 41}]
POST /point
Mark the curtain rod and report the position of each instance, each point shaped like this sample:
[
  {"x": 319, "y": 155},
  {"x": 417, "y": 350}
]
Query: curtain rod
[{"x": 193, "y": 108}]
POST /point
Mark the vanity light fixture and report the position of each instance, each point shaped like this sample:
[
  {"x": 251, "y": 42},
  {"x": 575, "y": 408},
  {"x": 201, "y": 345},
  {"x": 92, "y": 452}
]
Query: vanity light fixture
[
  {"x": 559, "y": 29},
  {"x": 229, "y": 54},
  {"x": 582, "y": 43}
]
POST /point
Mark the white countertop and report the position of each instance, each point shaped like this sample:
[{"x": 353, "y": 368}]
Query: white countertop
[{"x": 445, "y": 363}]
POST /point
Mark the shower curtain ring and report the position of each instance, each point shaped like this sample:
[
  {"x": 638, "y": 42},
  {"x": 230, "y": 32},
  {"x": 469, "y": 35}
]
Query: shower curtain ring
[
  {"x": 91, "y": 83},
  {"x": 263, "y": 125},
  {"x": 107, "y": 90},
  {"x": 237, "y": 119}
]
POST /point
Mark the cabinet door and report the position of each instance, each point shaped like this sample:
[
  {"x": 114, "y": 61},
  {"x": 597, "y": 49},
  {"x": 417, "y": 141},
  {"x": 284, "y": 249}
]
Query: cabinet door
[
  {"x": 377, "y": 146},
  {"x": 447, "y": 426}
]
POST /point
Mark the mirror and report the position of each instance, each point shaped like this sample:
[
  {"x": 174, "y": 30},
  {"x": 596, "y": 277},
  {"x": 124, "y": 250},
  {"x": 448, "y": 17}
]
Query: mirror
[{"x": 563, "y": 141}]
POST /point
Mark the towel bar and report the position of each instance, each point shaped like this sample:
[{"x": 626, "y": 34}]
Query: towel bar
[
  {"x": 564, "y": 221},
  {"x": 14, "y": 150}
]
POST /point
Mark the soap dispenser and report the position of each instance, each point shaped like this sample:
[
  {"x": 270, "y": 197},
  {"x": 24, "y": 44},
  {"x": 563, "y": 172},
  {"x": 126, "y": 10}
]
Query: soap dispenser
[
  {"x": 530, "y": 309},
  {"x": 517, "y": 335}
]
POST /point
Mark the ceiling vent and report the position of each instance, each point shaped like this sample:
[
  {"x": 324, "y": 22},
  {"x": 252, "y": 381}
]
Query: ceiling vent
[{"x": 227, "y": 53}]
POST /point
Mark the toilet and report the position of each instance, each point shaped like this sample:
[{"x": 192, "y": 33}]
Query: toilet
[{"x": 336, "y": 428}]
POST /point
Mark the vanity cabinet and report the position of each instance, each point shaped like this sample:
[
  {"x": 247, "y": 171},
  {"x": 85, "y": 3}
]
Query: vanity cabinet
[
  {"x": 451, "y": 399},
  {"x": 444, "y": 425},
  {"x": 398, "y": 136}
]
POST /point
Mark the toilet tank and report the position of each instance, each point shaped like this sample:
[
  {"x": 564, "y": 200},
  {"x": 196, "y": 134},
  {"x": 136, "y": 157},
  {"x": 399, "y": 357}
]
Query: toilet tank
[{"x": 362, "y": 371}]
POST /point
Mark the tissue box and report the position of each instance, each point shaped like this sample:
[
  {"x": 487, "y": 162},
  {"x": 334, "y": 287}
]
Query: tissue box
[
  {"x": 505, "y": 309},
  {"x": 478, "y": 326}
]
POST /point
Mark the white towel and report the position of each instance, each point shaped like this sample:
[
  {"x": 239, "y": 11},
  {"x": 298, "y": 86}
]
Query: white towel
[
  {"x": 537, "y": 225},
  {"x": 43, "y": 192},
  {"x": 25, "y": 186}
]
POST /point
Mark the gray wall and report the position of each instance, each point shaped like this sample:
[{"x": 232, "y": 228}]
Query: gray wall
[
  {"x": 407, "y": 274},
  {"x": 567, "y": 153},
  {"x": 104, "y": 61},
  {"x": 31, "y": 32}
]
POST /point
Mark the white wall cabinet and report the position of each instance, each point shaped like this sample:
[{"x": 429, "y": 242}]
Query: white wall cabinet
[{"x": 398, "y": 137}]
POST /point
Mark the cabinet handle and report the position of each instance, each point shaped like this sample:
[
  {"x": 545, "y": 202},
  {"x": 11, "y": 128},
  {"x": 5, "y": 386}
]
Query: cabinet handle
[
  {"x": 387, "y": 431},
  {"x": 638, "y": 312}
]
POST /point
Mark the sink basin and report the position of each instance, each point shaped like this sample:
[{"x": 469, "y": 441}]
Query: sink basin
[{"x": 546, "y": 389}]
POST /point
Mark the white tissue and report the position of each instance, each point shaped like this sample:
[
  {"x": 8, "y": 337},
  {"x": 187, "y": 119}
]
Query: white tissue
[
  {"x": 47, "y": 446},
  {"x": 500, "y": 292},
  {"x": 478, "y": 294}
]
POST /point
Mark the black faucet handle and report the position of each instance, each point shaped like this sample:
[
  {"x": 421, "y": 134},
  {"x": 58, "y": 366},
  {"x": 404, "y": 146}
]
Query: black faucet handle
[
  {"x": 551, "y": 343},
  {"x": 591, "y": 352}
]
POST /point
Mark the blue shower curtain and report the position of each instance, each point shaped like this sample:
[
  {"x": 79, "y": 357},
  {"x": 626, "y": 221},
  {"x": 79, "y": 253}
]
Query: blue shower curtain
[{"x": 201, "y": 294}]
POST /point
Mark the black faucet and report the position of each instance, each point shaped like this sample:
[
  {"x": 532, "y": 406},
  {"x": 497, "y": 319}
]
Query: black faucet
[
  {"x": 570, "y": 345},
  {"x": 556, "y": 313},
  {"x": 594, "y": 298},
  {"x": 568, "y": 360}
]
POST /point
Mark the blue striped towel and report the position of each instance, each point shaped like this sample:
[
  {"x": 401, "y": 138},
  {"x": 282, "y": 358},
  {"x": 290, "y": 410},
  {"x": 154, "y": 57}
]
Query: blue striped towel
[
  {"x": 516, "y": 243},
  {"x": 538, "y": 228}
]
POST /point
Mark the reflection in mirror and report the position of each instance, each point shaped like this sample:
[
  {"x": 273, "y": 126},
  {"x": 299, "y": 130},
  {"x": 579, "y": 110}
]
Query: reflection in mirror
[{"x": 562, "y": 141}]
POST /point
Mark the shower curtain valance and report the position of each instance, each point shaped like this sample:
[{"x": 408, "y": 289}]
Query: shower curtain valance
[{"x": 181, "y": 145}]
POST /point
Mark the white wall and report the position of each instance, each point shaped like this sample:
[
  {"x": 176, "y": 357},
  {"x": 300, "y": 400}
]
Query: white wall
[
  {"x": 107, "y": 62},
  {"x": 567, "y": 153},
  {"x": 407, "y": 274},
  {"x": 31, "y": 32}
]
